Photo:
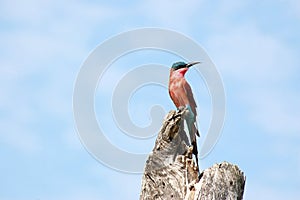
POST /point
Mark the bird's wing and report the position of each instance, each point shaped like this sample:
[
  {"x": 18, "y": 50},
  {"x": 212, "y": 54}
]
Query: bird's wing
[
  {"x": 192, "y": 102},
  {"x": 189, "y": 94}
]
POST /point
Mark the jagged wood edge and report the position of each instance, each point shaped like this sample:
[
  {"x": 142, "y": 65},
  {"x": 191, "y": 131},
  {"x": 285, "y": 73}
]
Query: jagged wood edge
[{"x": 170, "y": 172}]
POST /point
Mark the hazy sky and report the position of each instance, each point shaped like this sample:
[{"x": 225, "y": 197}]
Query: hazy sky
[{"x": 255, "y": 46}]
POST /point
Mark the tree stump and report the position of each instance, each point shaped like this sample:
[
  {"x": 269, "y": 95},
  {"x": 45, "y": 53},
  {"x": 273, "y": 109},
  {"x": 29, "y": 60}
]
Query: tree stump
[{"x": 171, "y": 173}]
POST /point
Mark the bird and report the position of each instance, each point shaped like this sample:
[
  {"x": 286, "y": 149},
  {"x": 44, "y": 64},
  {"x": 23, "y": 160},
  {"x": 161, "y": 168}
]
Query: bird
[{"x": 182, "y": 96}]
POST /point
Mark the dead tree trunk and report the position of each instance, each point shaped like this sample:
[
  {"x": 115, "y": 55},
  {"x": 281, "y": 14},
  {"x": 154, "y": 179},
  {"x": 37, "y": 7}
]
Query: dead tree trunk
[{"x": 171, "y": 173}]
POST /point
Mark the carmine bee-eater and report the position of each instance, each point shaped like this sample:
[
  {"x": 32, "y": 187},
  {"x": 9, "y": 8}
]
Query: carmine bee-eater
[{"x": 181, "y": 94}]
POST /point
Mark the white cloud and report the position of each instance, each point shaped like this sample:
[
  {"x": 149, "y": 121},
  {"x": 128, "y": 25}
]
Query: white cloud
[
  {"x": 72, "y": 140},
  {"x": 38, "y": 13},
  {"x": 49, "y": 31},
  {"x": 43, "y": 45},
  {"x": 294, "y": 5},
  {"x": 113, "y": 179},
  {"x": 20, "y": 11},
  {"x": 264, "y": 67},
  {"x": 15, "y": 134},
  {"x": 174, "y": 13},
  {"x": 275, "y": 111},
  {"x": 298, "y": 167},
  {"x": 248, "y": 55},
  {"x": 255, "y": 191}
]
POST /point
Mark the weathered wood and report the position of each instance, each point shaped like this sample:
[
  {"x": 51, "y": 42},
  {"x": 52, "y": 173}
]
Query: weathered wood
[
  {"x": 171, "y": 173},
  {"x": 222, "y": 181},
  {"x": 169, "y": 168}
]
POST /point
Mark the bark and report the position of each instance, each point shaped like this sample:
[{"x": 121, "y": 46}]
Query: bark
[{"x": 171, "y": 173}]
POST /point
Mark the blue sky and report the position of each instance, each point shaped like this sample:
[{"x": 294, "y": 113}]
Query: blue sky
[{"x": 254, "y": 44}]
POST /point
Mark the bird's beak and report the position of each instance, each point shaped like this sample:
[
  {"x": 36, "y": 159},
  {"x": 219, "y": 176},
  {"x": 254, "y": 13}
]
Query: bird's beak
[{"x": 192, "y": 63}]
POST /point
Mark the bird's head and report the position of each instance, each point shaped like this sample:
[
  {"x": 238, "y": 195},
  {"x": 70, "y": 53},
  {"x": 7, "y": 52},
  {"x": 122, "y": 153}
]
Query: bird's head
[{"x": 182, "y": 67}]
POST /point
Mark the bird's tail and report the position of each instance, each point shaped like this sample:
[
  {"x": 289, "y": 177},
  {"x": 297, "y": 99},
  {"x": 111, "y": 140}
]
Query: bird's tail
[
  {"x": 192, "y": 126},
  {"x": 193, "y": 131}
]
